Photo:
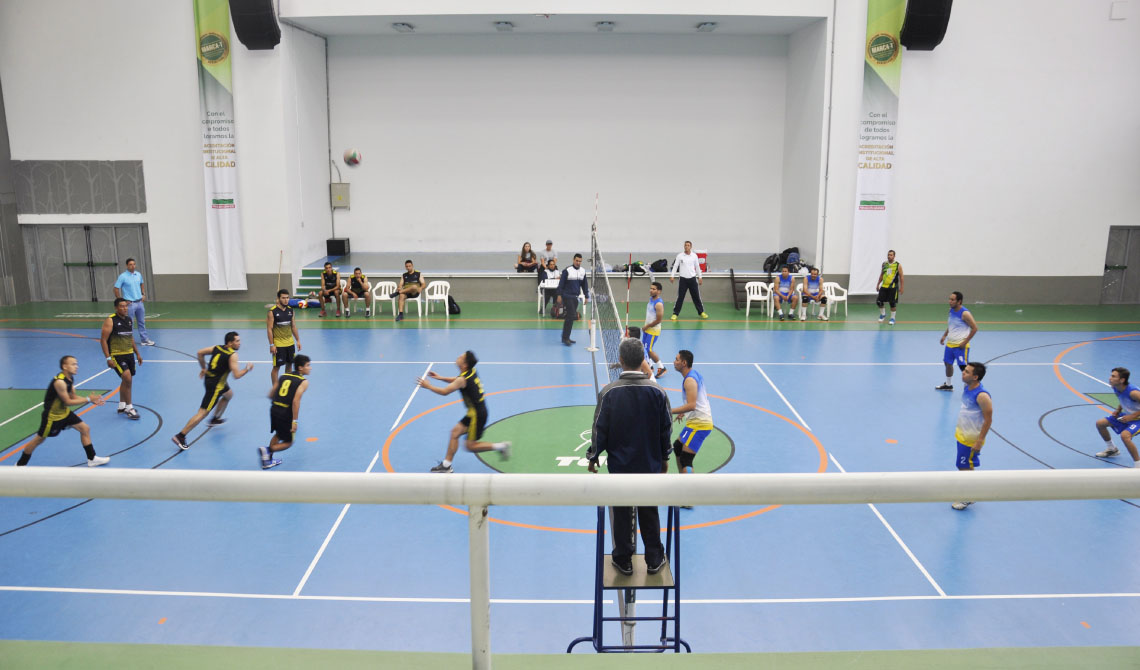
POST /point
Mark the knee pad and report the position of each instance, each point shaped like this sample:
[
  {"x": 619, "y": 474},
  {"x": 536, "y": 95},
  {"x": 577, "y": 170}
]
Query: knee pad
[
  {"x": 685, "y": 458},
  {"x": 879, "y": 303}
]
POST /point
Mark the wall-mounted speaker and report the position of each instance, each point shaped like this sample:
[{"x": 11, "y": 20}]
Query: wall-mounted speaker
[
  {"x": 924, "y": 25},
  {"x": 255, "y": 24}
]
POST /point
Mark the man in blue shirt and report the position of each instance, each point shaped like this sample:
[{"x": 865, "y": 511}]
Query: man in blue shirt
[{"x": 129, "y": 286}]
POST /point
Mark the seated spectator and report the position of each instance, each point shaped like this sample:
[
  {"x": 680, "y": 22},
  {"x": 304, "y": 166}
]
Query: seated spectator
[
  {"x": 527, "y": 260},
  {"x": 358, "y": 288},
  {"x": 813, "y": 292},
  {"x": 784, "y": 292},
  {"x": 546, "y": 255},
  {"x": 330, "y": 289},
  {"x": 550, "y": 272},
  {"x": 411, "y": 284}
]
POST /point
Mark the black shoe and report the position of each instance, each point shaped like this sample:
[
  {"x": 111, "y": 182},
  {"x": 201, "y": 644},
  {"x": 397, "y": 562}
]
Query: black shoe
[
  {"x": 654, "y": 569},
  {"x": 180, "y": 440},
  {"x": 944, "y": 387},
  {"x": 400, "y": 316},
  {"x": 624, "y": 568},
  {"x": 567, "y": 342},
  {"x": 217, "y": 421},
  {"x": 571, "y": 341},
  {"x": 394, "y": 294}
]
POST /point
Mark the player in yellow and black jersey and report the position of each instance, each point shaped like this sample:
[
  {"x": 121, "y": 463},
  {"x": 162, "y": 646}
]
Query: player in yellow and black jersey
[
  {"x": 358, "y": 288},
  {"x": 223, "y": 361},
  {"x": 281, "y": 328},
  {"x": 472, "y": 424},
  {"x": 330, "y": 288},
  {"x": 285, "y": 410},
  {"x": 59, "y": 398},
  {"x": 118, "y": 342}
]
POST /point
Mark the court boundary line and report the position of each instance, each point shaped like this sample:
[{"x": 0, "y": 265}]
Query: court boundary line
[
  {"x": 581, "y": 363},
  {"x": 1082, "y": 372},
  {"x": 344, "y": 510},
  {"x": 890, "y": 529},
  {"x": 526, "y": 601}
]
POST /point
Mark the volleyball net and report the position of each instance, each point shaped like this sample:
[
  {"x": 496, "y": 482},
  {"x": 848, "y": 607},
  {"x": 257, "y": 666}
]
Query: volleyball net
[{"x": 607, "y": 321}]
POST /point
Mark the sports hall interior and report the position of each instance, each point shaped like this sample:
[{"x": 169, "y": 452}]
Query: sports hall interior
[{"x": 1013, "y": 178}]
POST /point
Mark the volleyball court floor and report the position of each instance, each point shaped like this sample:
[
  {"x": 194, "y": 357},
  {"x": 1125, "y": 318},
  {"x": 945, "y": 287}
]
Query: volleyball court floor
[{"x": 792, "y": 399}]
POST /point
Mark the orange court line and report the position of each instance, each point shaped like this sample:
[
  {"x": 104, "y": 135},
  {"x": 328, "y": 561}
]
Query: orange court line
[
  {"x": 1060, "y": 378},
  {"x": 81, "y": 412}
]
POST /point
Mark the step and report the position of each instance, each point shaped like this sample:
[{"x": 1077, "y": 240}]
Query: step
[{"x": 640, "y": 579}]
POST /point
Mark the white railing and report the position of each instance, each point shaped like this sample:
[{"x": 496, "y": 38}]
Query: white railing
[{"x": 478, "y": 491}]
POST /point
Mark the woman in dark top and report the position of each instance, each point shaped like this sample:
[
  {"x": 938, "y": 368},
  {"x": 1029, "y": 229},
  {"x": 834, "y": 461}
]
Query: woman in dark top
[{"x": 527, "y": 261}]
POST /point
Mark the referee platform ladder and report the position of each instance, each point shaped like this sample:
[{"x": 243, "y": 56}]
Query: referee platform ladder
[{"x": 667, "y": 581}]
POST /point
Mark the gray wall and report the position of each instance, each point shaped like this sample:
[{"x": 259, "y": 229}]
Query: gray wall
[{"x": 13, "y": 270}]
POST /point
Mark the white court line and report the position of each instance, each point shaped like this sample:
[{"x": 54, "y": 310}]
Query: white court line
[
  {"x": 913, "y": 558},
  {"x": 344, "y": 510},
  {"x": 1081, "y": 372},
  {"x": 524, "y": 601},
  {"x": 40, "y": 405},
  {"x": 895, "y": 535},
  {"x": 564, "y": 364}
]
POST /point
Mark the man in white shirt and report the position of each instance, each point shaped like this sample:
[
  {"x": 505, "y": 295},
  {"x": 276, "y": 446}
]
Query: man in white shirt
[{"x": 689, "y": 267}]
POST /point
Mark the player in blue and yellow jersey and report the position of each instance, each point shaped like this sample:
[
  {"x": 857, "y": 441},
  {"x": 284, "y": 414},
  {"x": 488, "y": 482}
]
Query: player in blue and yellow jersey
[
  {"x": 813, "y": 292},
  {"x": 695, "y": 412},
  {"x": 215, "y": 372},
  {"x": 974, "y": 419},
  {"x": 1125, "y": 421},
  {"x": 960, "y": 329},
  {"x": 285, "y": 410},
  {"x": 890, "y": 286},
  {"x": 784, "y": 292},
  {"x": 281, "y": 329},
  {"x": 118, "y": 342},
  {"x": 654, "y": 314},
  {"x": 475, "y": 420},
  {"x": 59, "y": 398}
]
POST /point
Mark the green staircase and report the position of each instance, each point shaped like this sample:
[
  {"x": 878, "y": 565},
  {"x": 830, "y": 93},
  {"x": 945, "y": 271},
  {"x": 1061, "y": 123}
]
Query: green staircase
[{"x": 309, "y": 282}]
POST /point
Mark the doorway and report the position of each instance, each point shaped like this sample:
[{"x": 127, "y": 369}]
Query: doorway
[{"x": 81, "y": 262}]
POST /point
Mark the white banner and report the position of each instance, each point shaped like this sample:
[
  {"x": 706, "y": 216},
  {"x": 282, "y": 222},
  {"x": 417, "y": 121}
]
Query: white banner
[{"x": 225, "y": 249}]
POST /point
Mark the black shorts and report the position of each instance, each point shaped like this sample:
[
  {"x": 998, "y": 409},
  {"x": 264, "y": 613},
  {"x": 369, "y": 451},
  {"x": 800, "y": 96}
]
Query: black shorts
[
  {"x": 50, "y": 428},
  {"x": 124, "y": 362},
  {"x": 281, "y": 423},
  {"x": 355, "y": 294},
  {"x": 889, "y": 294},
  {"x": 214, "y": 393},
  {"x": 284, "y": 355},
  {"x": 475, "y": 428}
]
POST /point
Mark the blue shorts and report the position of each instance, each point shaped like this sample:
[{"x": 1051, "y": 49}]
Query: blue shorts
[
  {"x": 956, "y": 355},
  {"x": 648, "y": 341},
  {"x": 693, "y": 438},
  {"x": 1118, "y": 427},
  {"x": 966, "y": 459},
  {"x": 783, "y": 296}
]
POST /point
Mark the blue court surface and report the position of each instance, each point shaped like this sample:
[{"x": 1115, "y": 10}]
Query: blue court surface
[{"x": 852, "y": 577}]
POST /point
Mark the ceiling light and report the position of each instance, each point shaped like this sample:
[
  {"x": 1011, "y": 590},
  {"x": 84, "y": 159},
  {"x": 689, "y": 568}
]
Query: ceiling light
[
  {"x": 504, "y": 26},
  {"x": 604, "y": 26},
  {"x": 706, "y": 27},
  {"x": 403, "y": 27}
]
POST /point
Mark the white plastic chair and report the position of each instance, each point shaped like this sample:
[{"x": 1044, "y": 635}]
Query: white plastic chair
[
  {"x": 835, "y": 293},
  {"x": 381, "y": 290},
  {"x": 438, "y": 290},
  {"x": 758, "y": 291}
]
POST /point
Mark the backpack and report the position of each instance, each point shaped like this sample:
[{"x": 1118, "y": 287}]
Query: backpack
[
  {"x": 637, "y": 268},
  {"x": 659, "y": 265},
  {"x": 794, "y": 259},
  {"x": 785, "y": 255},
  {"x": 452, "y": 306},
  {"x": 771, "y": 263}
]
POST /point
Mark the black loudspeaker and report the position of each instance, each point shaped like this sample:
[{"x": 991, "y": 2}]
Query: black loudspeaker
[
  {"x": 255, "y": 24},
  {"x": 337, "y": 246},
  {"x": 924, "y": 25}
]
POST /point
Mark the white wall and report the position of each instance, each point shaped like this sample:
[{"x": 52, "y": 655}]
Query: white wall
[
  {"x": 1016, "y": 153},
  {"x": 803, "y": 141},
  {"x": 483, "y": 142}
]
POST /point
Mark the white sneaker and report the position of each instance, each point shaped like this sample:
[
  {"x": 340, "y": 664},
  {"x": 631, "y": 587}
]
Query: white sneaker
[
  {"x": 505, "y": 452},
  {"x": 1108, "y": 453},
  {"x": 961, "y": 505},
  {"x": 97, "y": 461}
]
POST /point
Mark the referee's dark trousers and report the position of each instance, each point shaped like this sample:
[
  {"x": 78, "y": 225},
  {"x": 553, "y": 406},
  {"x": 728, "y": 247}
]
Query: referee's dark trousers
[
  {"x": 571, "y": 305},
  {"x": 688, "y": 284}
]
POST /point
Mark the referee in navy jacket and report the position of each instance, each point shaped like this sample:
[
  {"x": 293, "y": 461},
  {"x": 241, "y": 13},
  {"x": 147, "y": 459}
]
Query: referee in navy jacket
[
  {"x": 632, "y": 425},
  {"x": 572, "y": 281}
]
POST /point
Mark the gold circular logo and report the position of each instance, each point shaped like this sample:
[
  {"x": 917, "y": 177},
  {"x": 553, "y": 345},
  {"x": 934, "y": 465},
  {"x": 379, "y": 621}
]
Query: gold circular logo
[
  {"x": 882, "y": 48},
  {"x": 213, "y": 47}
]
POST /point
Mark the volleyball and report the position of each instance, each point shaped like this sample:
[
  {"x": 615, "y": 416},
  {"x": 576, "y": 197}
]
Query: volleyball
[{"x": 352, "y": 157}]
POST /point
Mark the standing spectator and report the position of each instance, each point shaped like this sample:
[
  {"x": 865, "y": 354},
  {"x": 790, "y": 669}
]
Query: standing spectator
[
  {"x": 631, "y": 425},
  {"x": 974, "y": 421},
  {"x": 689, "y": 267},
  {"x": 130, "y": 287},
  {"x": 890, "y": 287},
  {"x": 549, "y": 294},
  {"x": 527, "y": 260},
  {"x": 411, "y": 284},
  {"x": 572, "y": 283},
  {"x": 960, "y": 329}
]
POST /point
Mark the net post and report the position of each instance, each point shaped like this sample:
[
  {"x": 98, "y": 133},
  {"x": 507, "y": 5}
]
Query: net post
[{"x": 479, "y": 542}]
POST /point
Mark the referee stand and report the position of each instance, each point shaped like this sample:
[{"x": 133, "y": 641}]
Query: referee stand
[{"x": 668, "y": 581}]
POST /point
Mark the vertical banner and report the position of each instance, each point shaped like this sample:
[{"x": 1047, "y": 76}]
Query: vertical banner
[
  {"x": 225, "y": 251},
  {"x": 882, "y": 67}
]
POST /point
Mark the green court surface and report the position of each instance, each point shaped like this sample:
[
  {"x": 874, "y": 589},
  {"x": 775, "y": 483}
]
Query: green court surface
[
  {"x": 20, "y": 655},
  {"x": 722, "y": 316}
]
